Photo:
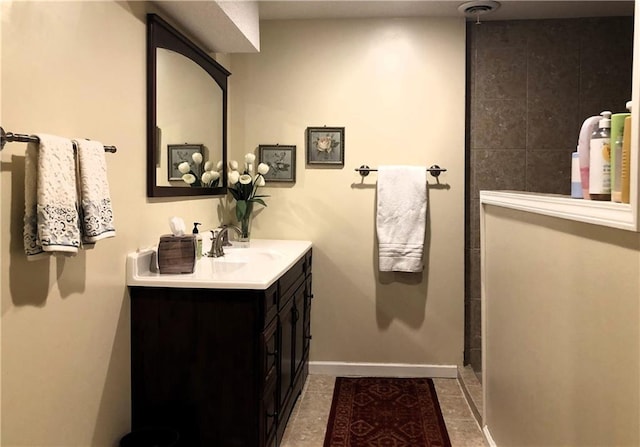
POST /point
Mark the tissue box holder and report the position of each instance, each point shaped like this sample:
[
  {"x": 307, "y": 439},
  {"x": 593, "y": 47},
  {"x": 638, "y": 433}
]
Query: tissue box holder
[{"x": 177, "y": 254}]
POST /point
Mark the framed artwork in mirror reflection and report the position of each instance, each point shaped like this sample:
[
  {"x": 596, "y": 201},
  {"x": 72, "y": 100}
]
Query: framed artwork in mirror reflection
[
  {"x": 325, "y": 146},
  {"x": 281, "y": 161},
  {"x": 179, "y": 153}
]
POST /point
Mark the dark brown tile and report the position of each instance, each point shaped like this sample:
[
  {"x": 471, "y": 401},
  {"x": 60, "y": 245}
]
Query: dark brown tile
[
  {"x": 606, "y": 63},
  {"x": 475, "y": 359},
  {"x": 618, "y": 30},
  {"x": 498, "y": 124},
  {"x": 549, "y": 172},
  {"x": 553, "y": 91},
  {"x": 552, "y": 124},
  {"x": 553, "y": 34},
  {"x": 474, "y": 223},
  {"x": 499, "y": 170},
  {"x": 501, "y": 73},
  {"x": 501, "y": 34},
  {"x": 553, "y": 74},
  {"x": 475, "y": 323},
  {"x": 467, "y": 321},
  {"x": 472, "y": 188},
  {"x": 473, "y": 274}
]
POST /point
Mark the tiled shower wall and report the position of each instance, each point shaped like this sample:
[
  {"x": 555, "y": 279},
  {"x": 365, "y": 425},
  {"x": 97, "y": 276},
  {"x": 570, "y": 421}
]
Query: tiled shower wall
[{"x": 531, "y": 84}]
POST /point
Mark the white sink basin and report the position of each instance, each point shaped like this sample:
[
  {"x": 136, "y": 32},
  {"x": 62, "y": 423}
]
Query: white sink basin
[
  {"x": 244, "y": 255},
  {"x": 256, "y": 267}
]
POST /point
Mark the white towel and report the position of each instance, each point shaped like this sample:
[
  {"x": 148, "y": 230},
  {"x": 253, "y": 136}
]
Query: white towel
[
  {"x": 401, "y": 217},
  {"x": 95, "y": 204},
  {"x": 32, "y": 246},
  {"x": 51, "y": 216}
]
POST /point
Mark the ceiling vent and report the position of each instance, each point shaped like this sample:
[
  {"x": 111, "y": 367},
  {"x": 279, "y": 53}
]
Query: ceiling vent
[{"x": 475, "y": 9}]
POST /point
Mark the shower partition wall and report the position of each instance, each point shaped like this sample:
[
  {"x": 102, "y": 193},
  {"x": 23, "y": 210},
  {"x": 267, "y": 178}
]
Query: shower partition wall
[{"x": 531, "y": 84}]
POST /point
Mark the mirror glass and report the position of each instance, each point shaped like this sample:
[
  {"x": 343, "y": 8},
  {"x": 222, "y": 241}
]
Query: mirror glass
[{"x": 187, "y": 97}]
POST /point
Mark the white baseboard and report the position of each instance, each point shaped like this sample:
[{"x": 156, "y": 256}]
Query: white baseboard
[
  {"x": 487, "y": 436},
  {"x": 383, "y": 370}
]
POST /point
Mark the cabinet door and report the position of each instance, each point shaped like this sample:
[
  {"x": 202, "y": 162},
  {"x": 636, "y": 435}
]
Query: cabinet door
[
  {"x": 298, "y": 321},
  {"x": 308, "y": 296},
  {"x": 287, "y": 323}
]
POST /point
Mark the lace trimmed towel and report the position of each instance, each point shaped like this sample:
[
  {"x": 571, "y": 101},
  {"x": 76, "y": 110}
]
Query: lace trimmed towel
[
  {"x": 51, "y": 217},
  {"x": 401, "y": 218},
  {"x": 96, "y": 214}
]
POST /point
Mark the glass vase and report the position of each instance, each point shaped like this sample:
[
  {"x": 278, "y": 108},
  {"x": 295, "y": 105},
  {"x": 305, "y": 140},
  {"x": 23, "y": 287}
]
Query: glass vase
[{"x": 244, "y": 239}]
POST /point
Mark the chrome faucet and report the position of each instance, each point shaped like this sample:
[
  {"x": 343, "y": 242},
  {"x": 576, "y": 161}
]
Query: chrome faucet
[{"x": 218, "y": 239}]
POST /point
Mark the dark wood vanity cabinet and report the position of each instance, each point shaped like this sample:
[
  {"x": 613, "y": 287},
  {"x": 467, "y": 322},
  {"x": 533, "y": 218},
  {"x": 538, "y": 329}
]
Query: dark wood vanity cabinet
[{"x": 222, "y": 367}]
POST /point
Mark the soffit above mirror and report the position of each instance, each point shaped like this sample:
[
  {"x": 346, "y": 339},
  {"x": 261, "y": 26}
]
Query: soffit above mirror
[{"x": 218, "y": 26}]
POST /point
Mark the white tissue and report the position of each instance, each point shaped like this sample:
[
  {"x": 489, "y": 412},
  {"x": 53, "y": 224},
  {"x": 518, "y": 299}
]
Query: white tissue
[{"x": 177, "y": 226}]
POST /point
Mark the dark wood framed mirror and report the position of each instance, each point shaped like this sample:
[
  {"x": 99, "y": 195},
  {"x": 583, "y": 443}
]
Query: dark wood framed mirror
[{"x": 186, "y": 105}]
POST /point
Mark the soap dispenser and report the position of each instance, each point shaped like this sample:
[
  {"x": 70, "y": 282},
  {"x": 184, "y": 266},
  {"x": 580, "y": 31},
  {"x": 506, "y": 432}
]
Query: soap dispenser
[
  {"x": 198, "y": 240},
  {"x": 600, "y": 160}
]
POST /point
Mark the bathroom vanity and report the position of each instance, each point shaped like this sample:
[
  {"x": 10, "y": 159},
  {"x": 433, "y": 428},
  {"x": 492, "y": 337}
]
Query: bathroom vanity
[{"x": 221, "y": 354}]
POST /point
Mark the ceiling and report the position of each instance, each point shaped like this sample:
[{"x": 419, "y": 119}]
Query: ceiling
[
  {"x": 508, "y": 10},
  {"x": 232, "y": 26}
]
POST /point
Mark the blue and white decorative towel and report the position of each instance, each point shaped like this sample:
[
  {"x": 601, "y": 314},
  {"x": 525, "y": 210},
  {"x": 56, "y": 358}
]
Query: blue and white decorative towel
[
  {"x": 96, "y": 214},
  {"x": 51, "y": 217},
  {"x": 401, "y": 218}
]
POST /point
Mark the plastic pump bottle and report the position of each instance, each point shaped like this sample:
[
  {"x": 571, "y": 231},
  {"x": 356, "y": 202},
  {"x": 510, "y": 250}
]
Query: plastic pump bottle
[
  {"x": 626, "y": 159},
  {"x": 198, "y": 240},
  {"x": 600, "y": 160}
]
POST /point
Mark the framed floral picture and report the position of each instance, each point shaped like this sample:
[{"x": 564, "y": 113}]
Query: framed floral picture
[
  {"x": 325, "y": 146},
  {"x": 183, "y": 152},
  {"x": 281, "y": 161}
]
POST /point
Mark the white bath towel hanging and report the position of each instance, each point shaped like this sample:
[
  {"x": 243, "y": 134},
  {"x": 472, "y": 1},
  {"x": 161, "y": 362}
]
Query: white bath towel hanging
[
  {"x": 401, "y": 218},
  {"x": 32, "y": 246},
  {"x": 95, "y": 201},
  {"x": 52, "y": 210}
]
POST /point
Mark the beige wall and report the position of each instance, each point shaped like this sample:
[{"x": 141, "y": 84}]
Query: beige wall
[
  {"x": 398, "y": 88},
  {"x": 65, "y": 322},
  {"x": 562, "y": 332},
  {"x": 76, "y": 69}
]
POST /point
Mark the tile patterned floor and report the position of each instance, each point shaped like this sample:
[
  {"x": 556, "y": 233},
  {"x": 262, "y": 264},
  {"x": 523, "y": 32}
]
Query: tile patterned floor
[{"x": 306, "y": 427}]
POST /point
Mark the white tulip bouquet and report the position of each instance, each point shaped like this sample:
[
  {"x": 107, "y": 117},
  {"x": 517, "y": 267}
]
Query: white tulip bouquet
[
  {"x": 210, "y": 177},
  {"x": 244, "y": 189}
]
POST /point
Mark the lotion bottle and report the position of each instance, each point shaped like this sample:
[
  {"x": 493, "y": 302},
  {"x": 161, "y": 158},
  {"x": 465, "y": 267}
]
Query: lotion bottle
[
  {"x": 576, "y": 184},
  {"x": 198, "y": 240},
  {"x": 584, "y": 140},
  {"x": 626, "y": 158},
  {"x": 617, "y": 140},
  {"x": 600, "y": 160}
]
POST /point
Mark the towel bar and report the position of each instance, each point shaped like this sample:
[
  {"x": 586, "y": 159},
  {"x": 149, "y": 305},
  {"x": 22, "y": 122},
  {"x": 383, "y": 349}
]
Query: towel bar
[
  {"x": 434, "y": 170},
  {"x": 8, "y": 137}
]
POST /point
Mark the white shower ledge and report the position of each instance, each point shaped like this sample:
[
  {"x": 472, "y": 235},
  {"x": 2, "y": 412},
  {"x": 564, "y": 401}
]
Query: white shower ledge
[{"x": 609, "y": 214}]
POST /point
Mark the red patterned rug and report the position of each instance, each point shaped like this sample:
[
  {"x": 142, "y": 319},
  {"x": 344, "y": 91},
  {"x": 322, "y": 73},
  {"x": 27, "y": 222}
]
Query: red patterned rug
[{"x": 389, "y": 412}]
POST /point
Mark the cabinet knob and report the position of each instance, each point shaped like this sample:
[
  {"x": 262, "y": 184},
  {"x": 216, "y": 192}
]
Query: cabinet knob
[
  {"x": 308, "y": 337},
  {"x": 272, "y": 415},
  {"x": 274, "y": 353}
]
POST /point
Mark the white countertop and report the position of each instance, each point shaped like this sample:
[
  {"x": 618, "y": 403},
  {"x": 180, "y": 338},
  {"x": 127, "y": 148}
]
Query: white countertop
[{"x": 256, "y": 267}]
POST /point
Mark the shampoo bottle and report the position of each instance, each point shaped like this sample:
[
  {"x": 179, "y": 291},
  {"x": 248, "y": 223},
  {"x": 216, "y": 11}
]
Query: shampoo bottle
[
  {"x": 626, "y": 159},
  {"x": 198, "y": 240},
  {"x": 584, "y": 140},
  {"x": 617, "y": 130},
  {"x": 600, "y": 160}
]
